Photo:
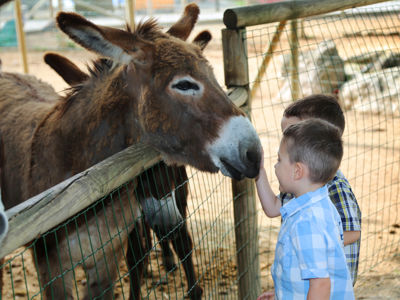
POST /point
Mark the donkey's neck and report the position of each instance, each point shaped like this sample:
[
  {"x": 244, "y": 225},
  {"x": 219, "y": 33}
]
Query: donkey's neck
[
  {"x": 104, "y": 119},
  {"x": 94, "y": 122}
]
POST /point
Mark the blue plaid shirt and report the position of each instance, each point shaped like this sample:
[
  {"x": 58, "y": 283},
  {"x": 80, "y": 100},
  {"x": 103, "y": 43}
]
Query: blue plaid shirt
[
  {"x": 346, "y": 204},
  {"x": 310, "y": 245}
]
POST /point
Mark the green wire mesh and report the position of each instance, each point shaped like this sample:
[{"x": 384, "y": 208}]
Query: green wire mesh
[
  {"x": 354, "y": 55},
  {"x": 371, "y": 164},
  {"x": 209, "y": 221}
]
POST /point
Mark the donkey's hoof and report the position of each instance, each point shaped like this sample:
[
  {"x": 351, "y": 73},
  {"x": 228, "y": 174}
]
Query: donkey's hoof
[{"x": 195, "y": 293}]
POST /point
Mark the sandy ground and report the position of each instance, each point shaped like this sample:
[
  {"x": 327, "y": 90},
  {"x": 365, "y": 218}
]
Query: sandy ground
[{"x": 210, "y": 210}]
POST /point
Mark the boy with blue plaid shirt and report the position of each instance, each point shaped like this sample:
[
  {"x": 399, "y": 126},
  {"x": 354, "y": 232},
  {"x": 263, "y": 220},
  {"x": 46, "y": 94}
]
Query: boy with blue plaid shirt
[
  {"x": 327, "y": 108},
  {"x": 310, "y": 262}
]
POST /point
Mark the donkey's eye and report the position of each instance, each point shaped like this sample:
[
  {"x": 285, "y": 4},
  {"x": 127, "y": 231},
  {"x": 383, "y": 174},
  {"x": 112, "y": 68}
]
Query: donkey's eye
[{"x": 185, "y": 85}]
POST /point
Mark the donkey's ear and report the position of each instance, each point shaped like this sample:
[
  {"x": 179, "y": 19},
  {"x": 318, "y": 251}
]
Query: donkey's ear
[
  {"x": 65, "y": 68},
  {"x": 202, "y": 39},
  {"x": 183, "y": 27},
  {"x": 105, "y": 41}
]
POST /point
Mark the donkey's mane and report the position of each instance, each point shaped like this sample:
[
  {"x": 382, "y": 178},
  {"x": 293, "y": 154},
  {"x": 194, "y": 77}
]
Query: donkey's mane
[
  {"x": 100, "y": 67},
  {"x": 148, "y": 30}
]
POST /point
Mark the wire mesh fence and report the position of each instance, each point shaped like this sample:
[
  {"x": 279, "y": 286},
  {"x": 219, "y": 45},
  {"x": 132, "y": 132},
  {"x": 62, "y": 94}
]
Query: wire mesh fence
[
  {"x": 97, "y": 249},
  {"x": 353, "y": 55}
]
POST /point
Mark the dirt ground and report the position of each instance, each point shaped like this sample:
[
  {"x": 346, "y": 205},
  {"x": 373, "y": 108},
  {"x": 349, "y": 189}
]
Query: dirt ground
[{"x": 379, "y": 276}]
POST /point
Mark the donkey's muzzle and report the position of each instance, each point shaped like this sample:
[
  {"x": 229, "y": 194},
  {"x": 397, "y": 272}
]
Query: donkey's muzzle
[
  {"x": 237, "y": 150},
  {"x": 248, "y": 166},
  {"x": 252, "y": 163}
]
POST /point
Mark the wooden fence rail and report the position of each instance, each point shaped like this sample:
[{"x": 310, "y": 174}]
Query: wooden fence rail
[
  {"x": 286, "y": 10},
  {"x": 57, "y": 204}
]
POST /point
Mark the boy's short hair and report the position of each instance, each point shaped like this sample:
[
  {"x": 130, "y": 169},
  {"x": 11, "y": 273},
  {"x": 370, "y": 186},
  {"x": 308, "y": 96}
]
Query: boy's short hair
[
  {"x": 317, "y": 144},
  {"x": 319, "y": 106}
]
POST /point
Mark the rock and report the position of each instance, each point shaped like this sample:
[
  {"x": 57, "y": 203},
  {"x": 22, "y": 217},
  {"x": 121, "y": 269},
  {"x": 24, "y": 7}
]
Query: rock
[
  {"x": 375, "y": 92},
  {"x": 320, "y": 71}
]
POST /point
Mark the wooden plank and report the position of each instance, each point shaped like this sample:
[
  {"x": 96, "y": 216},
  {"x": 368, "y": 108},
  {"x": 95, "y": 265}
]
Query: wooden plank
[
  {"x": 286, "y": 10},
  {"x": 55, "y": 205},
  {"x": 130, "y": 10},
  {"x": 294, "y": 50},
  {"x": 237, "y": 77},
  {"x": 21, "y": 35},
  {"x": 235, "y": 57},
  {"x": 246, "y": 238}
]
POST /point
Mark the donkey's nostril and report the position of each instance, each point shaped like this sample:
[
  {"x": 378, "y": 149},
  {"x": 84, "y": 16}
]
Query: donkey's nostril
[{"x": 252, "y": 156}]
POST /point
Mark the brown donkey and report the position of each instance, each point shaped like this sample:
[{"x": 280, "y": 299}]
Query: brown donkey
[
  {"x": 152, "y": 87},
  {"x": 162, "y": 191}
]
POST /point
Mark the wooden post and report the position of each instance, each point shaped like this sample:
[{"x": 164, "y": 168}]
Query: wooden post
[
  {"x": 60, "y": 5},
  {"x": 130, "y": 8},
  {"x": 149, "y": 8},
  {"x": 183, "y": 3},
  {"x": 51, "y": 9},
  {"x": 294, "y": 49},
  {"x": 245, "y": 210},
  {"x": 235, "y": 58},
  {"x": 21, "y": 35}
]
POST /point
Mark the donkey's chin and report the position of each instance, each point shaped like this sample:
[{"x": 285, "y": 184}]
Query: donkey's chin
[{"x": 228, "y": 169}]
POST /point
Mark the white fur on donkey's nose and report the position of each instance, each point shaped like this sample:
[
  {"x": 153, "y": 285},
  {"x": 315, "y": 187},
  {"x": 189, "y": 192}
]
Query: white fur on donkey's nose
[{"x": 237, "y": 150}]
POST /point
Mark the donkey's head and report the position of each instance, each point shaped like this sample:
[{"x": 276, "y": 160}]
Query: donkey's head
[{"x": 178, "y": 106}]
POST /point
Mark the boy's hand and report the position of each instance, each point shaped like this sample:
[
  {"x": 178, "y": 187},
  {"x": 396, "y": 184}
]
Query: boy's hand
[
  {"x": 262, "y": 158},
  {"x": 261, "y": 163},
  {"x": 270, "y": 295}
]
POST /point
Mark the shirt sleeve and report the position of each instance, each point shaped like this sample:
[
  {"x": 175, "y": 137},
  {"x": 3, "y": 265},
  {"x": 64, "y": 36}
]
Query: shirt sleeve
[
  {"x": 310, "y": 246},
  {"x": 346, "y": 204}
]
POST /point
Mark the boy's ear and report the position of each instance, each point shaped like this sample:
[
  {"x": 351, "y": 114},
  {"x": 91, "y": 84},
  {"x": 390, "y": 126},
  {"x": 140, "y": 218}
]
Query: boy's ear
[{"x": 300, "y": 170}]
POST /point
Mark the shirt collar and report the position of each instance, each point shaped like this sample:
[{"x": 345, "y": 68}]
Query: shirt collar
[{"x": 303, "y": 201}]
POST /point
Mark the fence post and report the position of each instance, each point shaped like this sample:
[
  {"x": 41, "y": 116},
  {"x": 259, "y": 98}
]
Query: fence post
[
  {"x": 21, "y": 35},
  {"x": 294, "y": 66},
  {"x": 245, "y": 211}
]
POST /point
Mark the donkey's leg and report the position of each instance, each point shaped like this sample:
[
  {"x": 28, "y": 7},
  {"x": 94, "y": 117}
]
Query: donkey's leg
[
  {"x": 183, "y": 246},
  {"x": 1, "y": 278},
  {"x": 102, "y": 268},
  {"x": 182, "y": 240},
  {"x": 49, "y": 261},
  {"x": 101, "y": 280},
  {"x": 135, "y": 255},
  {"x": 167, "y": 254},
  {"x": 148, "y": 244}
]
